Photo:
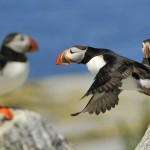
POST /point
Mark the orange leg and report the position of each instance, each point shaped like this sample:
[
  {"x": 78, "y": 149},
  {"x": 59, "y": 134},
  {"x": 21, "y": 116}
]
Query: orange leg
[{"x": 6, "y": 112}]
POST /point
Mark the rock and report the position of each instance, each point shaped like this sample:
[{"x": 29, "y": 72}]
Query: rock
[
  {"x": 145, "y": 142},
  {"x": 30, "y": 131}
]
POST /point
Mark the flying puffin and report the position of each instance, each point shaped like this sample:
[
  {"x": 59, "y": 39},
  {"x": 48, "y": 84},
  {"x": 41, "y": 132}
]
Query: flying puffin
[
  {"x": 113, "y": 74},
  {"x": 146, "y": 52},
  {"x": 14, "y": 65}
]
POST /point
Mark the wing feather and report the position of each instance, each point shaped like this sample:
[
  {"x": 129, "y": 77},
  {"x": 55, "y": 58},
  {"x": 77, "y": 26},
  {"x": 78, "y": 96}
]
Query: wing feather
[
  {"x": 100, "y": 102},
  {"x": 106, "y": 86}
]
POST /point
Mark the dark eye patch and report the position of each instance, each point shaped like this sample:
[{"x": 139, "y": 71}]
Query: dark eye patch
[
  {"x": 71, "y": 51},
  {"x": 22, "y": 38}
]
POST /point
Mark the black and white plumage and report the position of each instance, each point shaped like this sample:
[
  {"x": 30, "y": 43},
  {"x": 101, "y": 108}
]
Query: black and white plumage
[
  {"x": 113, "y": 74},
  {"x": 13, "y": 61},
  {"x": 14, "y": 65}
]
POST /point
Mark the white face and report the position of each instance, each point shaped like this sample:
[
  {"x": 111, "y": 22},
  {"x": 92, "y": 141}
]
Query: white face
[
  {"x": 74, "y": 54},
  {"x": 20, "y": 43}
]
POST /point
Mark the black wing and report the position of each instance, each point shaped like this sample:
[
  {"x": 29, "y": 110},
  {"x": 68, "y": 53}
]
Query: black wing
[
  {"x": 105, "y": 88},
  {"x": 101, "y": 101},
  {"x": 141, "y": 71}
]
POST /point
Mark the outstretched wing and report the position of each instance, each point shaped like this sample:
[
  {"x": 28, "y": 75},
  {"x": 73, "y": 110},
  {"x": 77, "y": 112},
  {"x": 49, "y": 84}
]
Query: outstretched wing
[
  {"x": 105, "y": 88},
  {"x": 101, "y": 101}
]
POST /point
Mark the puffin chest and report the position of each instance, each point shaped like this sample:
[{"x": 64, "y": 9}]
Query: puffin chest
[
  {"x": 13, "y": 75},
  {"x": 95, "y": 64},
  {"x": 15, "y": 69},
  {"x": 145, "y": 83}
]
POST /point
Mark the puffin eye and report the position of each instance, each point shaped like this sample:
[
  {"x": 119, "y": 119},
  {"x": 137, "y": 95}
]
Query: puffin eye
[
  {"x": 22, "y": 38},
  {"x": 71, "y": 51}
]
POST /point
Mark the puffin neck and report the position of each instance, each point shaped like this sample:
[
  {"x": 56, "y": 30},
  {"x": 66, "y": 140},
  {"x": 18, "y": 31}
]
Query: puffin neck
[
  {"x": 11, "y": 55},
  {"x": 92, "y": 52},
  {"x": 146, "y": 61}
]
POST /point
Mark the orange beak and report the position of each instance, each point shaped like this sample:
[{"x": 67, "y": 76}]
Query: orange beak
[
  {"x": 146, "y": 50},
  {"x": 62, "y": 59},
  {"x": 33, "y": 45}
]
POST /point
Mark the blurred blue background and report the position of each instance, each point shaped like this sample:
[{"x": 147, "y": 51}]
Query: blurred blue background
[
  {"x": 56, "y": 25},
  {"x": 119, "y": 25}
]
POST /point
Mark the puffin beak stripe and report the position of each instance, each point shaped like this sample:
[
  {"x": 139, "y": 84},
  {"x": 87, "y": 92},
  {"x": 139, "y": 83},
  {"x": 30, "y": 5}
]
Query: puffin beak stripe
[
  {"x": 146, "y": 50},
  {"x": 62, "y": 59},
  {"x": 59, "y": 59},
  {"x": 33, "y": 45}
]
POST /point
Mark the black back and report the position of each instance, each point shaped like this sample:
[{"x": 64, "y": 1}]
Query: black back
[{"x": 92, "y": 52}]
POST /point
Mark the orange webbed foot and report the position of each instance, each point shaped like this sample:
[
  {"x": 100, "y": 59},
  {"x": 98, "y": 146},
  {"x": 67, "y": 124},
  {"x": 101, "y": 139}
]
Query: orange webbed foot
[{"x": 6, "y": 112}]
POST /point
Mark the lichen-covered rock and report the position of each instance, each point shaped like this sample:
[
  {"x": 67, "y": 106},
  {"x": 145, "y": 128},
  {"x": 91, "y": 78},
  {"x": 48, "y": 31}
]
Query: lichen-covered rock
[
  {"x": 145, "y": 142},
  {"x": 30, "y": 131}
]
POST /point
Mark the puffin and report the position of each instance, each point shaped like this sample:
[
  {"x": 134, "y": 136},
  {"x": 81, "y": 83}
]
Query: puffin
[
  {"x": 112, "y": 75},
  {"x": 14, "y": 66},
  {"x": 146, "y": 52}
]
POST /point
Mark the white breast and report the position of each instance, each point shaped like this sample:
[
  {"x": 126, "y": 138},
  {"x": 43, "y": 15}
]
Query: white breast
[
  {"x": 13, "y": 76},
  {"x": 145, "y": 83},
  {"x": 132, "y": 84},
  {"x": 95, "y": 64}
]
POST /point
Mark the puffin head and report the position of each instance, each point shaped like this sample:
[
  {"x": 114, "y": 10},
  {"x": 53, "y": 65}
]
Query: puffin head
[
  {"x": 20, "y": 43},
  {"x": 146, "y": 48},
  {"x": 73, "y": 54}
]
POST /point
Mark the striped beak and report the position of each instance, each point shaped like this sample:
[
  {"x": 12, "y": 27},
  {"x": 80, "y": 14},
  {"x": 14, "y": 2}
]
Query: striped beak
[
  {"x": 33, "y": 45},
  {"x": 62, "y": 59},
  {"x": 146, "y": 50}
]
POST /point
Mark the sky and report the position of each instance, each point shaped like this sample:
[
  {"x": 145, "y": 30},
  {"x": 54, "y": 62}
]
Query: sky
[{"x": 56, "y": 25}]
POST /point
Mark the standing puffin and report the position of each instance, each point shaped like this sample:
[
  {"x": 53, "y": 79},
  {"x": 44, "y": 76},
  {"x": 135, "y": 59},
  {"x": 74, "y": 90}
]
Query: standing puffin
[
  {"x": 14, "y": 65},
  {"x": 113, "y": 74},
  {"x": 146, "y": 52}
]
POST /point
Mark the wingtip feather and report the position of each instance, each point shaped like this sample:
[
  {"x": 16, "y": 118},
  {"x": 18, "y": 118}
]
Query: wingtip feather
[{"x": 75, "y": 114}]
